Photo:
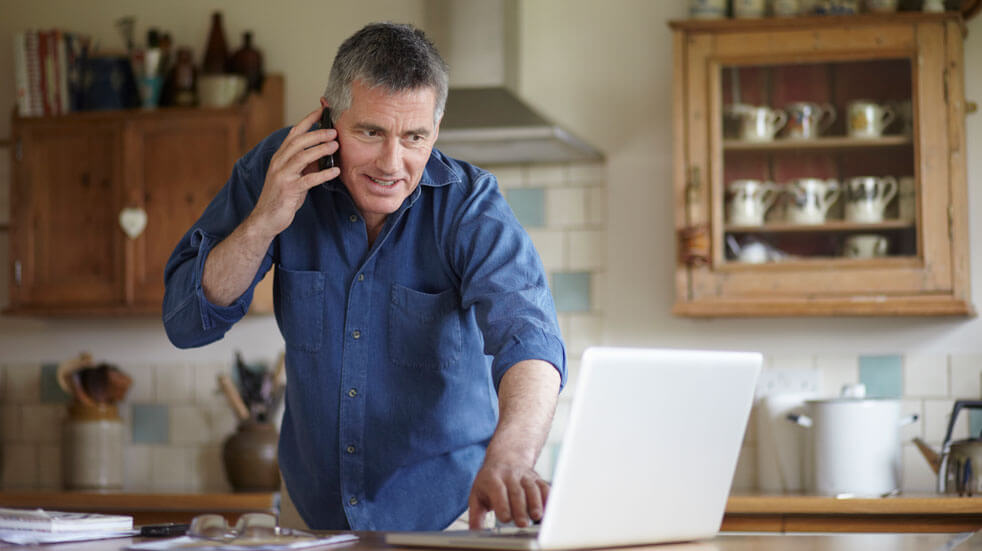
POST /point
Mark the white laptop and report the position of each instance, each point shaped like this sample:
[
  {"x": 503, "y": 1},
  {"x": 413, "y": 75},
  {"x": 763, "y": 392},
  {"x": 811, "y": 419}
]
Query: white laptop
[{"x": 647, "y": 457}]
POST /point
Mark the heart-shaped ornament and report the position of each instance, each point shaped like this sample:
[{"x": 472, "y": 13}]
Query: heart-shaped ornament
[{"x": 133, "y": 220}]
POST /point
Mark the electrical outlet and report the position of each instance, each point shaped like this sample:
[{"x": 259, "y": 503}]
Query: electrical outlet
[{"x": 787, "y": 380}]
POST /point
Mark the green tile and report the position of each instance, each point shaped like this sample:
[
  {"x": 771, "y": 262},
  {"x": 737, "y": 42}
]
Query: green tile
[
  {"x": 571, "y": 291},
  {"x": 151, "y": 424},
  {"x": 975, "y": 422},
  {"x": 51, "y": 392},
  {"x": 882, "y": 375},
  {"x": 529, "y": 206}
]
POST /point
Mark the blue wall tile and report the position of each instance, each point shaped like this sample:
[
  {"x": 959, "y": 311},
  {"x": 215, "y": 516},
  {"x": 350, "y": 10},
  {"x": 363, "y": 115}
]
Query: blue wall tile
[
  {"x": 51, "y": 392},
  {"x": 529, "y": 206},
  {"x": 571, "y": 291},
  {"x": 975, "y": 422},
  {"x": 882, "y": 375},
  {"x": 151, "y": 424}
]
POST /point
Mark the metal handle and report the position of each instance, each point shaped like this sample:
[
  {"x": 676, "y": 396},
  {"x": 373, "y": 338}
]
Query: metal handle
[
  {"x": 800, "y": 419},
  {"x": 959, "y": 405}
]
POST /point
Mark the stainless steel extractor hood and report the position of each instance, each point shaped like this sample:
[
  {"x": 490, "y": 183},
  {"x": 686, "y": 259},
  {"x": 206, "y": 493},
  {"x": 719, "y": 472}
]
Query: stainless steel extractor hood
[{"x": 485, "y": 122}]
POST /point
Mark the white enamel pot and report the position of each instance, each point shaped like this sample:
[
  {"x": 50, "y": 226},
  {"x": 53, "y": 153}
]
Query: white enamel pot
[{"x": 855, "y": 445}]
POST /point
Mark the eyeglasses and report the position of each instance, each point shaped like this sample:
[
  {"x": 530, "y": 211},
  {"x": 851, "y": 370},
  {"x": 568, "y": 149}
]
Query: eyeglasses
[{"x": 250, "y": 526}]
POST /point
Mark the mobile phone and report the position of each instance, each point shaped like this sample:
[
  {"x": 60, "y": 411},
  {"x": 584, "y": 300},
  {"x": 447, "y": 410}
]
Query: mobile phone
[{"x": 327, "y": 161}]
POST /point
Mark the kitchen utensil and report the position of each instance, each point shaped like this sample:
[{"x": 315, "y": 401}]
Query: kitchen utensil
[
  {"x": 233, "y": 397},
  {"x": 855, "y": 443},
  {"x": 959, "y": 464}
]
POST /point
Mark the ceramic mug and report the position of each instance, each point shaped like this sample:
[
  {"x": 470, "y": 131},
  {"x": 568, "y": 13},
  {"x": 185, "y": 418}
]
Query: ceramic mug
[
  {"x": 865, "y": 245},
  {"x": 906, "y": 198},
  {"x": 867, "y": 119},
  {"x": 745, "y": 9},
  {"x": 807, "y": 120},
  {"x": 749, "y": 201},
  {"x": 810, "y": 199},
  {"x": 760, "y": 124},
  {"x": 707, "y": 9},
  {"x": 867, "y": 197}
]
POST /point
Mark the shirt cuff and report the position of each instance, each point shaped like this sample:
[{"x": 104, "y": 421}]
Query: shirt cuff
[
  {"x": 534, "y": 345},
  {"x": 213, "y": 315}
]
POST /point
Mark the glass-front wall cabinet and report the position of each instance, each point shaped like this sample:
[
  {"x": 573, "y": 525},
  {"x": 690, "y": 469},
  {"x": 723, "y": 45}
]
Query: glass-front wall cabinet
[{"x": 820, "y": 167}]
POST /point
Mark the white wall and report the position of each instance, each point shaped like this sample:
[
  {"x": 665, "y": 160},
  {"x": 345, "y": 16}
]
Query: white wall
[{"x": 603, "y": 68}]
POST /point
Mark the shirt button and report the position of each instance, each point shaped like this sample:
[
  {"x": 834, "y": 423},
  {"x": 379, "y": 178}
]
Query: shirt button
[
  {"x": 353, "y": 218},
  {"x": 352, "y": 393},
  {"x": 353, "y": 500},
  {"x": 361, "y": 277},
  {"x": 356, "y": 334},
  {"x": 350, "y": 449}
]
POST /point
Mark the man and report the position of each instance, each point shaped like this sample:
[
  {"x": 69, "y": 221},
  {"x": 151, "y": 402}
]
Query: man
[{"x": 423, "y": 352}]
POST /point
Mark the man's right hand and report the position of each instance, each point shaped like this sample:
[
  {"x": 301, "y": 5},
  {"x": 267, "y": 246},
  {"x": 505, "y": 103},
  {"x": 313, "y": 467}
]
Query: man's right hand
[
  {"x": 292, "y": 171},
  {"x": 233, "y": 263}
]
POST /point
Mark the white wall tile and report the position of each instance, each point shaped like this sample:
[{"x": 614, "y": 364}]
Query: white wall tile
[
  {"x": 565, "y": 207},
  {"x": 587, "y": 250},
  {"x": 22, "y": 384},
  {"x": 546, "y": 175},
  {"x": 837, "y": 370},
  {"x": 917, "y": 476},
  {"x": 208, "y": 470},
  {"x": 587, "y": 173},
  {"x": 908, "y": 407},
  {"x": 745, "y": 477},
  {"x": 598, "y": 292},
  {"x": 221, "y": 422},
  {"x": 137, "y": 468},
  {"x": 170, "y": 468},
  {"x": 49, "y": 467},
  {"x": 965, "y": 374},
  {"x": 936, "y": 415},
  {"x": 926, "y": 375},
  {"x": 173, "y": 383},
  {"x": 572, "y": 379},
  {"x": 509, "y": 176},
  {"x": 142, "y": 389},
  {"x": 41, "y": 423},
  {"x": 559, "y": 421},
  {"x": 189, "y": 425},
  {"x": 20, "y": 466},
  {"x": 551, "y": 246},
  {"x": 206, "y": 389},
  {"x": 596, "y": 206},
  {"x": 584, "y": 330},
  {"x": 789, "y": 361}
]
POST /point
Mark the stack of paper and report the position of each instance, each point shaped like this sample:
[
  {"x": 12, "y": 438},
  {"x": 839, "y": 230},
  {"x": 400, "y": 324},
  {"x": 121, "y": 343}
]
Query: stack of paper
[{"x": 26, "y": 526}]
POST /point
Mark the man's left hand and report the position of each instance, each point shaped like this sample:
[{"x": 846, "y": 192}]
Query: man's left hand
[{"x": 513, "y": 491}]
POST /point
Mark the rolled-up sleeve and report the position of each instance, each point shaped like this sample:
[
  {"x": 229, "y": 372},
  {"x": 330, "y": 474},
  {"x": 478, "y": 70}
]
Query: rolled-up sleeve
[
  {"x": 189, "y": 318},
  {"x": 503, "y": 278}
]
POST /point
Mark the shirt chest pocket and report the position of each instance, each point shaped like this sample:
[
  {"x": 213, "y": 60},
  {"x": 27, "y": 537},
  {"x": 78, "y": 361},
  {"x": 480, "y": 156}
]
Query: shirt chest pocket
[
  {"x": 301, "y": 308},
  {"x": 424, "y": 328}
]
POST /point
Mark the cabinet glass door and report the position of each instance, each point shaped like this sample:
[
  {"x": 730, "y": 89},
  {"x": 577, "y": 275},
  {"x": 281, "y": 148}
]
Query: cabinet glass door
[{"x": 818, "y": 162}]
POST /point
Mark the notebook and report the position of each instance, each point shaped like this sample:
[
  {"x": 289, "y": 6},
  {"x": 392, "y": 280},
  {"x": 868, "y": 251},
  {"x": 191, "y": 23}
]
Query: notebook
[{"x": 648, "y": 455}]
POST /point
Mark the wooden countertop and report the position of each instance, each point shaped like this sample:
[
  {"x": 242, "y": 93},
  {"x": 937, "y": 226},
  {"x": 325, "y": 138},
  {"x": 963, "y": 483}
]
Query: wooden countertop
[
  {"x": 374, "y": 541},
  {"x": 803, "y": 513}
]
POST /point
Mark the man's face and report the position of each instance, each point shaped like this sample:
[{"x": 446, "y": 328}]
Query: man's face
[{"x": 385, "y": 141}]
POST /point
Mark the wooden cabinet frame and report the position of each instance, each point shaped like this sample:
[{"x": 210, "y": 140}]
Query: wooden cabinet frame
[
  {"x": 935, "y": 281},
  {"x": 74, "y": 174}
]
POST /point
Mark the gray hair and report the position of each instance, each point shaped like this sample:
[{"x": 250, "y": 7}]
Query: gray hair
[{"x": 396, "y": 56}]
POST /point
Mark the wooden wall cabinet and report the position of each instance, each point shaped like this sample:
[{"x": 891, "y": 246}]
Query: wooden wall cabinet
[
  {"x": 75, "y": 176},
  {"x": 910, "y": 64}
]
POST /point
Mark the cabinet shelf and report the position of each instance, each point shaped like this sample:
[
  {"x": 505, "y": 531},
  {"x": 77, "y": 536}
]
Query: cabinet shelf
[
  {"x": 825, "y": 143},
  {"x": 830, "y": 226}
]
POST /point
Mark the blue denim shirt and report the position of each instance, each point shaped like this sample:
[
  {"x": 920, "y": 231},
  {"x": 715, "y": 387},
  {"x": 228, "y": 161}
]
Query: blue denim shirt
[{"x": 394, "y": 351}]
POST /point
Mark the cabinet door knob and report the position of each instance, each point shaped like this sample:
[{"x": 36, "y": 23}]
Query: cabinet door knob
[
  {"x": 133, "y": 220},
  {"x": 971, "y": 107}
]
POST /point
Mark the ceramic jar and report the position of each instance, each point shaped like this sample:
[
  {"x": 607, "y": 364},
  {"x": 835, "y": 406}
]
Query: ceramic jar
[
  {"x": 249, "y": 455},
  {"x": 92, "y": 448}
]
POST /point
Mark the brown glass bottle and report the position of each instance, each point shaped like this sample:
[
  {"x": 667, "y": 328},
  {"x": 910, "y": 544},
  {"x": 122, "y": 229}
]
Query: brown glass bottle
[
  {"x": 248, "y": 62},
  {"x": 181, "y": 86},
  {"x": 216, "y": 52}
]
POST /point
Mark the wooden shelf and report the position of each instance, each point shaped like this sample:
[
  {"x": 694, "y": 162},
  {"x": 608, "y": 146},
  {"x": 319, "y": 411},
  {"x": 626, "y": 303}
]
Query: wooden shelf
[
  {"x": 819, "y": 144},
  {"x": 830, "y": 226}
]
